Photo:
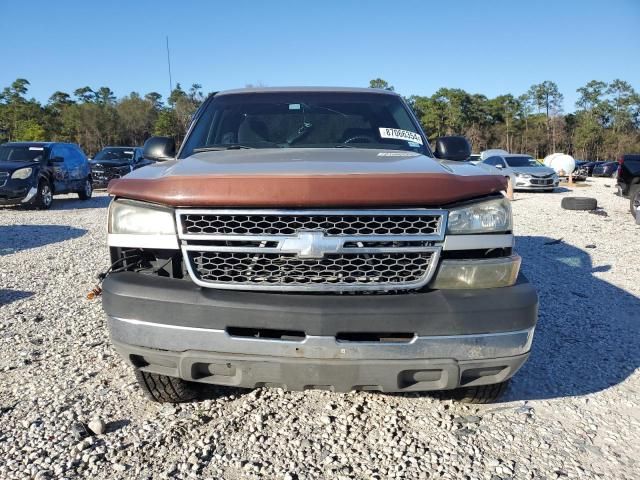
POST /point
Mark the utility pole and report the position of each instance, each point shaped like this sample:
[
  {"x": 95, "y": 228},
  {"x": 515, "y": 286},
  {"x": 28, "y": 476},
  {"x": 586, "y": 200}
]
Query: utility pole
[{"x": 169, "y": 65}]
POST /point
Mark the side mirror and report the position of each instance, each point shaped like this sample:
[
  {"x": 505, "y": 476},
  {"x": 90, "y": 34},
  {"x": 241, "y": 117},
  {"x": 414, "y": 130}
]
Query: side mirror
[
  {"x": 57, "y": 159},
  {"x": 452, "y": 148},
  {"x": 159, "y": 149}
]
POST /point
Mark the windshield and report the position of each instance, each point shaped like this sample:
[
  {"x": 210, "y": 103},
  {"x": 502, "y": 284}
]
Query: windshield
[
  {"x": 522, "y": 162},
  {"x": 305, "y": 120},
  {"x": 115, "y": 154},
  {"x": 22, "y": 153}
]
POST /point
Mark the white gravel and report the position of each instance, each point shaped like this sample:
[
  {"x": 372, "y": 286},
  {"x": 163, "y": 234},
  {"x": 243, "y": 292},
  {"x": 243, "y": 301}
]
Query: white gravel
[{"x": 573, "y": 411}]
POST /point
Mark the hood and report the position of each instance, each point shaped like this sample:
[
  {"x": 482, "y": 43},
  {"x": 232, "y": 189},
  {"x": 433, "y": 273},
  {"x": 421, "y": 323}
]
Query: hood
[
  {"x": 110, "y": 163},
  {"x": 534, "y": 171},
  {"x": 309, "y": 177},
  {"x": 12, "y": 166}
]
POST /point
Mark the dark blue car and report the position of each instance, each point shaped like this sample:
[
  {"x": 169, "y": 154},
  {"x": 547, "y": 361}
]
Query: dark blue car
[
  {"x": 32, "y": 172},
  {"x": 115, "y": 162},
  {"x": 605, "y": 169}
]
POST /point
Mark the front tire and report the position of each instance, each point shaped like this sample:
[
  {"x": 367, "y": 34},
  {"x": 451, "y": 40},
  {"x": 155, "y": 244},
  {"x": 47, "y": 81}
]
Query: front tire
[
  {"x": 165, "y": 389},
  {"x": 480, "y": 394},
  {"x": 87, "y": 191},
  {"x": 44, "y": 196},
  {"x": 634, "y": 200}
]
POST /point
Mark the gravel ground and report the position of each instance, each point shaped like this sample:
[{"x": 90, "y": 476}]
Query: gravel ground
[{"x": 573, "y": 411}]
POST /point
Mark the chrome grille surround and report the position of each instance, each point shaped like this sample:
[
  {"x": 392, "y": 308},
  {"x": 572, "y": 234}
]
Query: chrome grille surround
[
  {"x": 339, "y": 224},
  {"x": 4, "y": 177},
  {"x": 311, "y": 250}
]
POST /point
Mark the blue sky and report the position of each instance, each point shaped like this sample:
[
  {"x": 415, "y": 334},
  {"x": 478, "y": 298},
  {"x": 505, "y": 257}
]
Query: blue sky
[{"x": 488, "y": 47}]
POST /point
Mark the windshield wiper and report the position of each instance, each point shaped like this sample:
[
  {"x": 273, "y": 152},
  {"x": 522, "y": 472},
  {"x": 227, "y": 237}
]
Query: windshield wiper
[{"x": 217, "y": 148}]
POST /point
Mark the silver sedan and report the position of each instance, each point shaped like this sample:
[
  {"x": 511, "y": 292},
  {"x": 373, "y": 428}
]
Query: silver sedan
[{"x": 523, "y": 170}]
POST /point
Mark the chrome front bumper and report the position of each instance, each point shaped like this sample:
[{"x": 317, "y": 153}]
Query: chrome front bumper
[
  {"x": 425, "y": 363},
  {"x": 526, "y": 184},
  {"x": 458, "y": 347}
]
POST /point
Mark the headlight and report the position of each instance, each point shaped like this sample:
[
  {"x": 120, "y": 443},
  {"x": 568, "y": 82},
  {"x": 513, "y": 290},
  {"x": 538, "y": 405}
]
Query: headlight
[
  {"x": 140, "y": 219},
  {"x": 482, "y": 217},
  {"x": 488, "y": 273},
  {"x": 22, "y": 173},
  {"x": 523, "y": 175}
]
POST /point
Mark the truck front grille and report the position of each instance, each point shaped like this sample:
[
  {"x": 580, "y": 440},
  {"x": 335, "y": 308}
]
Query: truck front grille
[
  {"x": 287, "y": 270},
  {"x": 324, "y": 251},
  {"x": 106, "y": 174}
]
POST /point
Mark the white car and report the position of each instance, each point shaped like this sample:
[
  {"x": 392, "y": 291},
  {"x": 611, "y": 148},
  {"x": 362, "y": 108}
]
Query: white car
[{"x": 523, "y": 170}]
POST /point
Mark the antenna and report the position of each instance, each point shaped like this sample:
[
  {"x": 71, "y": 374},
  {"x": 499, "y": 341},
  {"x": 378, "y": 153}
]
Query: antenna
[{"x": 169, "y": 64}]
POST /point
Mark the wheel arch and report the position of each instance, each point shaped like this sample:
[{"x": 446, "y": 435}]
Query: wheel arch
[{"x": 48, "y": 177}]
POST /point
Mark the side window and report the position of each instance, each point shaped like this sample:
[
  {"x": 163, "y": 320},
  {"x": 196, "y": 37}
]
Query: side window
[
  {"x": 492, "y": 161},
  {"x": 69, "y": 155},
  {"x": 79, "y": 154},
  {"x": 57, "y": 151}
]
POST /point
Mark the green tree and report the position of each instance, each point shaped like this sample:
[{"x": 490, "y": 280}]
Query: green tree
[
  {"x": 137, "y": 117},
  {"x": 29, "y": 131},
  {"x": 166, "y": 124},
  {"x": 547, "y": 98},
  {"x": 104, "y": 96},
  {"x": 155, "y": 99},
  {"x": 622, "y": 100},
  {"x": 60, "y": 99},
  {"x": 380, "y": 83},
  {"x": 19, "y": 117},
  {"x": 84, "y": 94}
]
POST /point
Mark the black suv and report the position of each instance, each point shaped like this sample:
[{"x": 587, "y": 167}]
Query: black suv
[
  {"x": 115, "y": 162},
  {"x": 32, "y": 172},
  {"x": 629, "y": 180}
]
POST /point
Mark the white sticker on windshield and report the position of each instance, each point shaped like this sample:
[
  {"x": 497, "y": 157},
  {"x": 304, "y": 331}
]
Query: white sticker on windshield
[
  {"x": 40, "y": 149},
  {"x": 398, "y": 134},
  {"x": 129, "y": 152}
]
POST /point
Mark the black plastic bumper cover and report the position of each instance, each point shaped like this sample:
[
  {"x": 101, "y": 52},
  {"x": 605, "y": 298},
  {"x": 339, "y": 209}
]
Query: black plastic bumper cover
[{"x": 439, "y": 312}]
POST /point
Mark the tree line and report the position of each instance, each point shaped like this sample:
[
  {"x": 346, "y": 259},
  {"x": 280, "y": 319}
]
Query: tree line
[
  {"x": 95, "y": 118},
  {"x": 604, "y": 124}
]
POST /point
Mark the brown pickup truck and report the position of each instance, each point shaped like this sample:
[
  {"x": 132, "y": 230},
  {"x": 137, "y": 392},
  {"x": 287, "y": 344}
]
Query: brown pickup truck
[{"x": 311, "y": 238}]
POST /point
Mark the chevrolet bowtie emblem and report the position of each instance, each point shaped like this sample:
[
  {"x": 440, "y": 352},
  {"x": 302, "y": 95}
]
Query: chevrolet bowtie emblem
[{"x": 311, "y": 244}]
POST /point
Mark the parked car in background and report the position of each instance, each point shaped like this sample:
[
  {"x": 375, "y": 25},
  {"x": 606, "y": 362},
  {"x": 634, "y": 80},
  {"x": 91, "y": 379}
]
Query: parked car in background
[
  {"x": 116, "y": 162},
  {"x": 32, "y": 172},
  {"x": 629, "y": 181},
  {"x": 525, "y": 172},
  {"x": 589, "y": 166},
  {"x": 580, "y": 173},
  {"x": 605, "y": 169},
  {"x": 474, "y": 157}
]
